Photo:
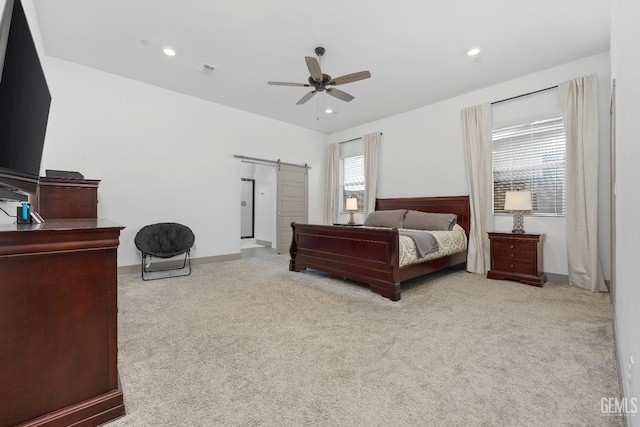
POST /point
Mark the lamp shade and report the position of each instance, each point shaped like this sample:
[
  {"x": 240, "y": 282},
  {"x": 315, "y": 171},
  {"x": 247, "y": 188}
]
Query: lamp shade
[
  {"x": 517, "y": 201},
  {"x": 352, "y": 204}
]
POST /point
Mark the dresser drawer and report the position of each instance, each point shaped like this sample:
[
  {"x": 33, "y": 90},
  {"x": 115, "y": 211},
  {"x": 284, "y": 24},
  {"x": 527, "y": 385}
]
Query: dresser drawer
[{"x": 514, "y": 266}]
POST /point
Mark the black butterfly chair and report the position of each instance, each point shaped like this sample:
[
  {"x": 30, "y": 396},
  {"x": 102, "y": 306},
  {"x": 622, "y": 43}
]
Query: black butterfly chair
[{"x": 165, "y": 240}]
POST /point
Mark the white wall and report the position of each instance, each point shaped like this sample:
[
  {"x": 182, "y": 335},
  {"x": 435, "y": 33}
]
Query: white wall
[
  {"x": 625, "y": 69},
  {"x": 164, "y": 156},
  {"x": 422, "y": 152}
]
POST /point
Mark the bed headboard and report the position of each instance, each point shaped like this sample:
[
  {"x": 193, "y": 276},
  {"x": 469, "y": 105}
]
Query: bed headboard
[{"x": 458, "y": 205}]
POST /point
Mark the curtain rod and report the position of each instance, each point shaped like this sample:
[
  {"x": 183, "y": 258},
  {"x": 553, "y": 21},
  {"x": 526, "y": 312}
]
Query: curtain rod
[
  {"x": 354, "y": 139},
  {"x": 275, "y": 162},
  {"x": 524, "y": 94}
]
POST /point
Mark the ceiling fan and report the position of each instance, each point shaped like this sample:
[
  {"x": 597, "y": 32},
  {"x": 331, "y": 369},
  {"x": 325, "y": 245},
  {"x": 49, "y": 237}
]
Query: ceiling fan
[{"x": 321, "y": 82}]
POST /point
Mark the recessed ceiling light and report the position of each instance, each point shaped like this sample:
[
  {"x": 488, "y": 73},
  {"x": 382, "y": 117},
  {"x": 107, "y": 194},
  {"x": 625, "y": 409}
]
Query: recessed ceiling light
[
  {"x": 328, "y": 111},
  {"x": 169, "y": 51},
  {"x": 473, "y": 52}
]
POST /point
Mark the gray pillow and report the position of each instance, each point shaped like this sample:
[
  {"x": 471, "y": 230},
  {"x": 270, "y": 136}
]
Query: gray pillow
[
  {"x": 391, "y": 218},
  {"x": 429, "y": 221}
]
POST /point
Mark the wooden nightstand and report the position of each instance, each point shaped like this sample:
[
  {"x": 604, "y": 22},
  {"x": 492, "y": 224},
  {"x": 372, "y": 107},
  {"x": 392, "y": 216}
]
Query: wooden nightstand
[{"x": 517, "y": 257}]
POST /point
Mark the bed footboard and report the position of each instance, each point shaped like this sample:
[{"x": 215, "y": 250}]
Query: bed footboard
[{"x": 362, "y": 254}]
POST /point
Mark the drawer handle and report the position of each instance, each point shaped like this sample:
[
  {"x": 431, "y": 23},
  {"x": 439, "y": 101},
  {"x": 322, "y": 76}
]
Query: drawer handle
[
  {"x": 511, "y": 265},
  {"x": 511, "y": 246},
  {"x": 512, "y": 255}
]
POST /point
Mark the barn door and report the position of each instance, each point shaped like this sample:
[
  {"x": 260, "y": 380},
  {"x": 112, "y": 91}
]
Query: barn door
[{"x": 293, "y": 205}]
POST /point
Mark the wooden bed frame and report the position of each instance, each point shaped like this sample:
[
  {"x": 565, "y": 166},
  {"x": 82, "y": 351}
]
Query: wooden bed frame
[{"x": 371, "y": 255}]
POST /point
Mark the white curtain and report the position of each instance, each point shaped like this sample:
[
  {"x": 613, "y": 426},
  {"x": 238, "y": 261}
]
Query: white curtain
[
  {"x": 333, "y": 178},
  {"x": 371, "y": 146},
  {"x": 579, "y": 100},
  {"x": 476, "y": 128}
]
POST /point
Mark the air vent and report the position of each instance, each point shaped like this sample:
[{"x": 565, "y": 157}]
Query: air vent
[{"x": 207, "y": 69}]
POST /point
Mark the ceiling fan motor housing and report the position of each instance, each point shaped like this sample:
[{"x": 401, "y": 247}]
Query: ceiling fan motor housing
[{"x": 320, "y": 86}]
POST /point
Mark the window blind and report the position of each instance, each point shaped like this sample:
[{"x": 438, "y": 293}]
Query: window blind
[
  {"x": 531, "y": 156},
  {"x": 353, "y": 180}
]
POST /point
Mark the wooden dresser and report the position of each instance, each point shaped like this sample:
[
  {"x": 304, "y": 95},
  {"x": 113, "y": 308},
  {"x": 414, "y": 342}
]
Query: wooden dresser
[
  {"x": 517, "y": 257},
  {"x": 58, "y": 317}
]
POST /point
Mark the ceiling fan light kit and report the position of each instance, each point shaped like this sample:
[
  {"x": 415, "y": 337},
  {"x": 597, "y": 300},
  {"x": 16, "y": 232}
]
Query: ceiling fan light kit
[{"x": 321, "y": 82}]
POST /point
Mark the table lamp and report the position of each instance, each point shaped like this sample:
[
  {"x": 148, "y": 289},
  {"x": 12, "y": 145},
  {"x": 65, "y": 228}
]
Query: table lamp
[
  {"x": 517, "y": 202},
  {"x": 352, "y": 206}
]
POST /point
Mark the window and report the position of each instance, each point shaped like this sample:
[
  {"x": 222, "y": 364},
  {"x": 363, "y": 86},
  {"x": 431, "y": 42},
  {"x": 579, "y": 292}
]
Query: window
[
  {"x": 352, "y": 180},
  {"x": 531, "y": 156}
]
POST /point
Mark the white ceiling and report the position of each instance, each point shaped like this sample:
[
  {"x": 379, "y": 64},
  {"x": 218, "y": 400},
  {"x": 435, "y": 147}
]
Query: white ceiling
[{"x": 414, "y": 49}]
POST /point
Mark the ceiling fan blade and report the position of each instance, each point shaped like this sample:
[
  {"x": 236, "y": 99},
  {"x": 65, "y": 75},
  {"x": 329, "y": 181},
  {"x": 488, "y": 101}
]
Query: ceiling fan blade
[
  {"x": 306, "y": 97},
  {"x": 339, "y": 94},
  {"x": 314, "y": 68},
  {"x": 348, "y": 78},
  {"x": 289, "y": 84}
]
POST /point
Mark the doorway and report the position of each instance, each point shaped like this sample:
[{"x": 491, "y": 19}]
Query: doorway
[
  {"x": 280, "y": 196},
  {"x": 257, "y": 209},
  {"x": 247, "y": 208}
]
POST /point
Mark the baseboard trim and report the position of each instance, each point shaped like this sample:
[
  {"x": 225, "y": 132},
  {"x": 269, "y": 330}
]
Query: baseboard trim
[
  {"x": 265, "y": 243},
  {"x": 129, "y": 269},
  {"x": 561, "y": 279},
  {"x": 621, "y": 368}
]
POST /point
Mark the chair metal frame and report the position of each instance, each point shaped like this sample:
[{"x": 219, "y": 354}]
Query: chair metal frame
[{"x": 187, "y": 259}]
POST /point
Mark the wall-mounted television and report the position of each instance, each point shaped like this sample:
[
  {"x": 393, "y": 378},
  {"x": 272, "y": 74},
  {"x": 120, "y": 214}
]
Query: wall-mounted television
[{"x": 24, "y": 102}]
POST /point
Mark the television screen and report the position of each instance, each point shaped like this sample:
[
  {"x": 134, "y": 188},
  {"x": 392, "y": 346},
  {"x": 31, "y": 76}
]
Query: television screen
[
  {"x": 24, "y": 105},
  {"x": 5, "y": 19}
]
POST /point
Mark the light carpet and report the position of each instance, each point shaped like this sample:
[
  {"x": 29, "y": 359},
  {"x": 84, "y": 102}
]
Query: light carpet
[{"x": 248, "y": 343}]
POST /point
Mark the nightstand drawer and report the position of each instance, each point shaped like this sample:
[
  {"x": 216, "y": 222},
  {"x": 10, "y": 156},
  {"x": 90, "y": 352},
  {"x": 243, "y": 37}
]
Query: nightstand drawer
[
  {"x": 516, "y": 256},
  {"x": 514, "y": 266},
  {"x": 522, "y": 247}
]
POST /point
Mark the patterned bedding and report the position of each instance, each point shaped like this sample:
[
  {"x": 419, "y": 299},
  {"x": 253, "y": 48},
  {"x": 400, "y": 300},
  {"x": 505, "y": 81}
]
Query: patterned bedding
[{"x": 450, "y": 242}]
